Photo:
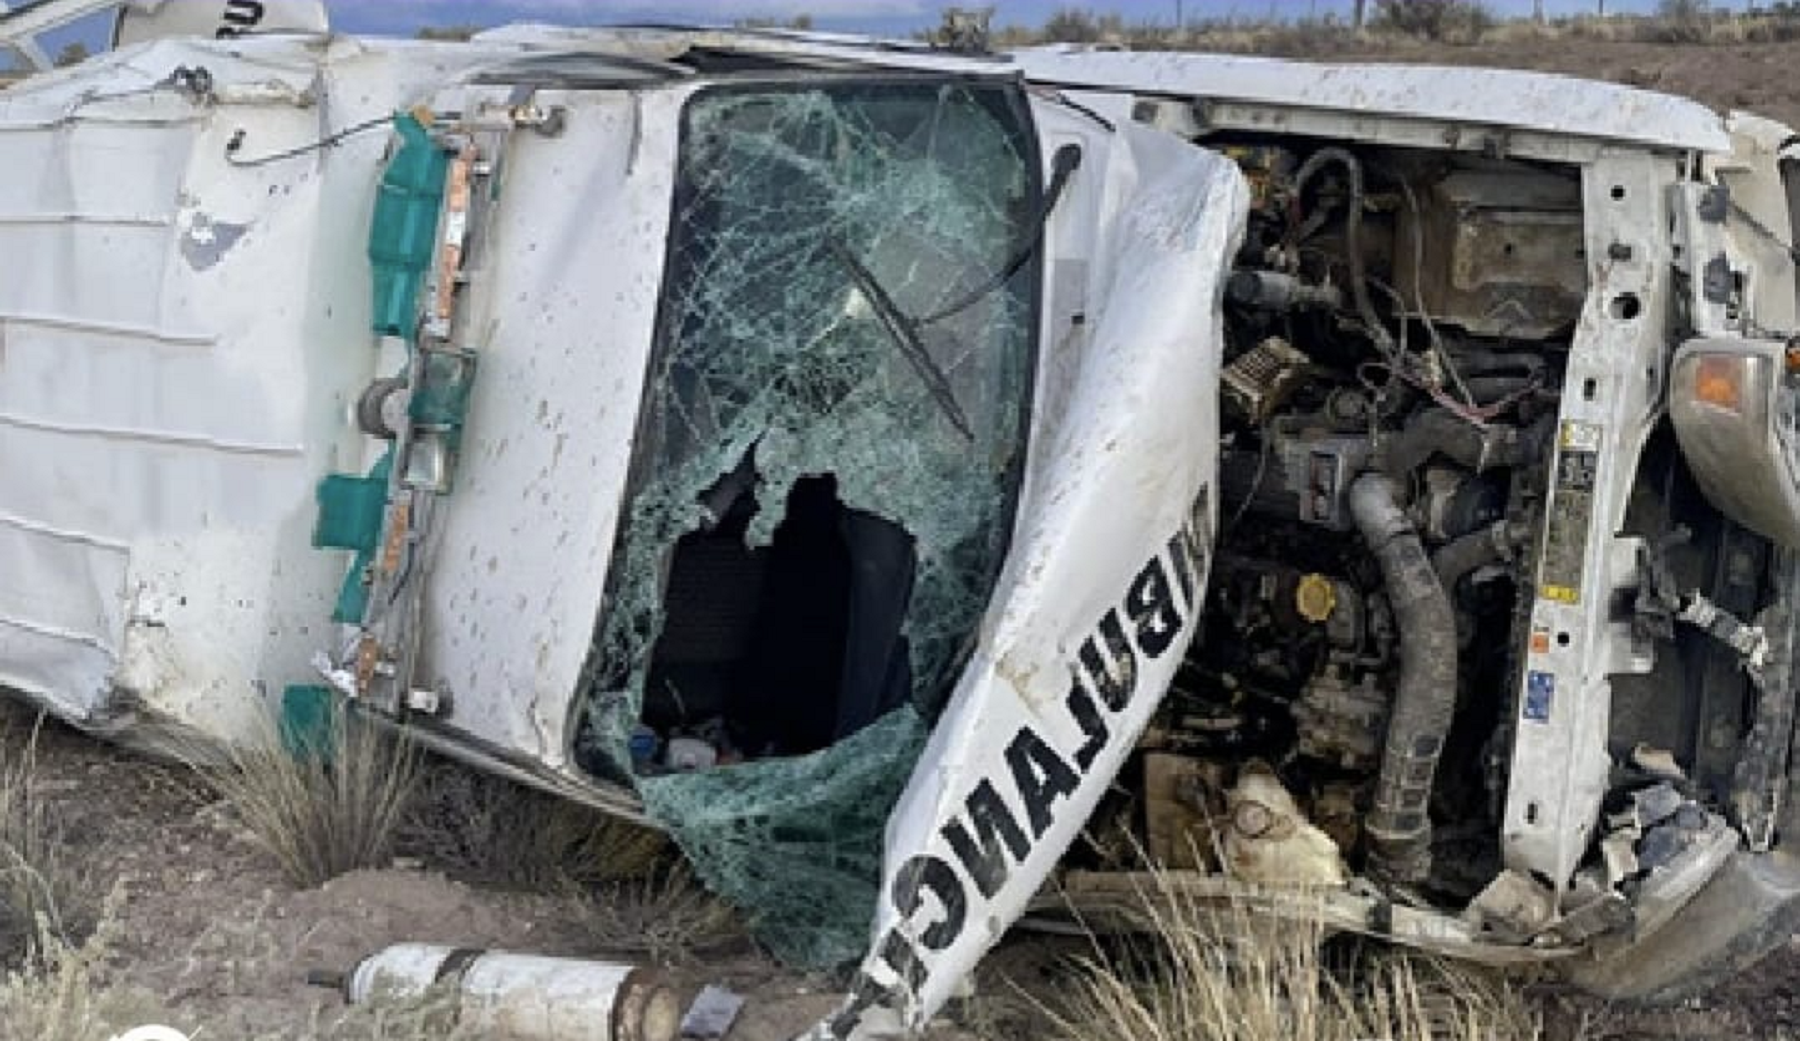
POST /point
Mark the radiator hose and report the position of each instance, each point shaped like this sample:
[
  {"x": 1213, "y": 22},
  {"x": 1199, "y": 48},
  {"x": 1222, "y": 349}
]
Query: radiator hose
[{"x": 1399, "y": 824}]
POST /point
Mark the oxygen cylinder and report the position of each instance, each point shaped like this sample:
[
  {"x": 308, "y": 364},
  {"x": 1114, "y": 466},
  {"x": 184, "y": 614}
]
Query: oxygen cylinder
[{"x": 523, "y": 997}]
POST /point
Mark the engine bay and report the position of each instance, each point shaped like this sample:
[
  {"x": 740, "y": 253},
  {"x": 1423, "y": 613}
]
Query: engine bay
[{"x": 1397, "y": 327}]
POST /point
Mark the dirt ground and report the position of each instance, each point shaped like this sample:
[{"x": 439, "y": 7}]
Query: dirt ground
[
  {"x": 208, "y": 926},
  {"x": 204, "y": 925},
  {"x": 219, "y": 944},
  {"x": 1754, "y": 77}
]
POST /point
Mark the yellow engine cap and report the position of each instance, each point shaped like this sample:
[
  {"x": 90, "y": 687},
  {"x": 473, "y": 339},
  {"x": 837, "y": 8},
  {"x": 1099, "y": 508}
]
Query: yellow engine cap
[{"x": 1315, "y": 597}]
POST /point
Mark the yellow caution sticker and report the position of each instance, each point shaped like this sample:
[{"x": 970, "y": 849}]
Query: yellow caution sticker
[{"x": 1562, "y": 594}]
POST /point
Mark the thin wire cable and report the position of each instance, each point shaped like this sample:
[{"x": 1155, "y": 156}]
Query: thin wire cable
[
  {"x": 1437, "y": 342},
  {"x": 328, "y": 141}
]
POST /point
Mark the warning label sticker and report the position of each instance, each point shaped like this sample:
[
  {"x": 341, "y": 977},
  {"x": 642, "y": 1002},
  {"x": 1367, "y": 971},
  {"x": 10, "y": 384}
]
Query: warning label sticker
[
  {"x": 1540, "y": 693},
  {"x": 1571, "y": 511}
]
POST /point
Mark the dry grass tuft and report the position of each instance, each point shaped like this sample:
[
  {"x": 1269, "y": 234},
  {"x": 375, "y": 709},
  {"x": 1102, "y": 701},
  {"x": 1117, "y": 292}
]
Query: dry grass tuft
[
  {"x": 322, "y": 815},
  {"x": 41, "y": 892},
  {"x": 1226, "y": 974},
  {"x": 488, "y": 830},
  {"x": 61, "y": 992},
  {"x": 668, "y": 918},
  {"x": 632, "y": 892}
]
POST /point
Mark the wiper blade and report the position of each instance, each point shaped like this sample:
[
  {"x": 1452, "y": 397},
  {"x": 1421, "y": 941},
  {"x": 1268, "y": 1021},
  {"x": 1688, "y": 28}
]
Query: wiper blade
[
  {"x": 1064, "y": 164},
  {"x": 905, "y": 334}
]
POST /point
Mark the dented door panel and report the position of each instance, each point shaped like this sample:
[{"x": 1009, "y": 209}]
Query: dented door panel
[{"x": 1097, "y": 601}]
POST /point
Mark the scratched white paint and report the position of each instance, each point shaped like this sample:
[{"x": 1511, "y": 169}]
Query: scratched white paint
[
  {"x": 166, "y": 404},
  {"x": 567, "y": 301},
  {"x": 1125, "y": 457},
  {"x": 1486, "y": 97}
]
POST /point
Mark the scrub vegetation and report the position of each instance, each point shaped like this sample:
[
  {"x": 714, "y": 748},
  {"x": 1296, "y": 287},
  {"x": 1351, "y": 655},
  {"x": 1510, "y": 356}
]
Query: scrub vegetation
[
  {"x": 489, "y": 831},
  {"x": 375, "y": 798},
  {"x": 53, "y": 937},
  {"x": 332, "y": 808},
  {"x": 626, "y": 884},
  {"x": 666, "y": 917},
  {"x": 1207, "y": 972},
  {"x": 1413, "y": 24},
  {"x": 60, "y": 992},
  {"x": 41, "y": 892}
]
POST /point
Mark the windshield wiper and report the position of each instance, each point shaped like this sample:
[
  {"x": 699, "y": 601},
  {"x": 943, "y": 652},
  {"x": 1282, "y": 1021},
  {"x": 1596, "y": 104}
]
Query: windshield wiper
[
  {"x": 905, "y": 334},
  {"x": 1063, "y": 166}
]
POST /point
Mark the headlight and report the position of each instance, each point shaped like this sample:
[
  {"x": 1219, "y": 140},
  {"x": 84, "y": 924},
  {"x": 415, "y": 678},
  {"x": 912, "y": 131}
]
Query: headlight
[
  {"x": 1728, "y": 414},
  {"x": 1733, "y": 383}
]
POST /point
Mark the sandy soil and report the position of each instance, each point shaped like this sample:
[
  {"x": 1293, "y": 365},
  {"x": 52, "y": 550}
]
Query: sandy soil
[{"x": 209, "y": 927}]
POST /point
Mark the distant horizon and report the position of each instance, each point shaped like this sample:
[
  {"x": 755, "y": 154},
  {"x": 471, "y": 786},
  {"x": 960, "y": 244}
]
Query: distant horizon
[
  {"x": 875, "y": 17},
  {"x": 894, "y": 18}
]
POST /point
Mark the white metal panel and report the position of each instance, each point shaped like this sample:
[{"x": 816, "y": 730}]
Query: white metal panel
[
  {"x": 1541, "y": 102},
  {"x": 1615, "y": 378},
  {"x": 143, "y": 20},
  {"x": 1108, "y": 561},
  {"x": 568, "y": 301},
  {"x": 1486, "y": 97},
  {"x": 180, "y": 339}
]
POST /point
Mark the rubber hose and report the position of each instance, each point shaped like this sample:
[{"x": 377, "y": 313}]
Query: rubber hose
[
  {"x": 1399, "y": 823},
  {"x": 1438, "y": 432},
  {"x": 1359, "y": 283},
  {"x": 1464, "y": 554}
]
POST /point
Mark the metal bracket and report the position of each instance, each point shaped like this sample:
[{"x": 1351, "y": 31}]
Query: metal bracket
[
  {"x": 1760, "y": 780},
  {"x": 384, "y": 659},
  {"x": 1714, "y": 204},
  {"x": 1717, "y": 280}
]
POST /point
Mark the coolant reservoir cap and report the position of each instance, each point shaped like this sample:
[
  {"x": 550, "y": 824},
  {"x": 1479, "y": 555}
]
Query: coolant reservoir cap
[{"x": 1315, "y": 598}]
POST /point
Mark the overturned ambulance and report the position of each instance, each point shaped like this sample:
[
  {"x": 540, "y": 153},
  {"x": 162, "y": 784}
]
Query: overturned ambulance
[{"x": 918, "y": 480}]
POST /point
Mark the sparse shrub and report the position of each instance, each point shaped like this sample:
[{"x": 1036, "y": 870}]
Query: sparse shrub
[
  {"x": 1440, "y": 21},
  {"x": 1785, "y": 27},
  {"x": 451, "y": 33},
  {"x": 326, "y": 813},
  {"x": 965, "y": 29},
  {"x": 41, "y": 892},
  {"x": 633, "y": 892},
  {"x": 1589, "y": 27},
  {"x": 1681, "y": 21},
  {"x": 1071, "y": 25},
  {"x": 61, "y": 993},
  {"x": 669, "y": 918},
  {"x": 1306, "y": 38},
  {"x": 486, "y": 829},
  {"x": 798, "y": 23},
  {"x": 1220, "y": 970}
]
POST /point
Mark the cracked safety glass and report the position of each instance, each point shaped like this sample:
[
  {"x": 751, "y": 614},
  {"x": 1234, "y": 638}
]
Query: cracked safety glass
[{"x": 833, "y": 434}]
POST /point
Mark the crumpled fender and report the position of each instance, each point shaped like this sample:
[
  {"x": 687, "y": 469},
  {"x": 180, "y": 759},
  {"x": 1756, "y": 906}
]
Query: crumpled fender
[{"x": 1099, "y": 597}]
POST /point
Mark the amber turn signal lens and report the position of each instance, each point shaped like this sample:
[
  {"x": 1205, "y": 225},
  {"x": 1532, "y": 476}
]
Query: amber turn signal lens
[{"x": 1719, "y": 381}]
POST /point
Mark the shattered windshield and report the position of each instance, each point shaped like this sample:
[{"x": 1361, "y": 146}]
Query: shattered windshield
[{"x": 833, "y": 433}]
